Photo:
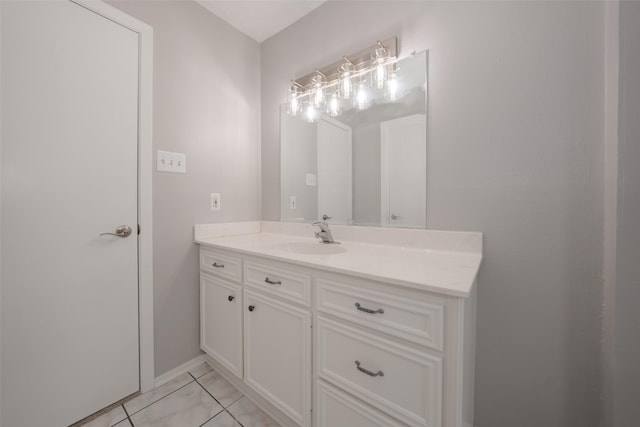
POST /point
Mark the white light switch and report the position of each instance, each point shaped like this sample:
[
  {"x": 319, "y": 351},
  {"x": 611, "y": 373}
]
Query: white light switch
[
  {"x": 292, "y": 202},
  {"x": 171, "y": 162},
  {"x": 215, "y": 202}
]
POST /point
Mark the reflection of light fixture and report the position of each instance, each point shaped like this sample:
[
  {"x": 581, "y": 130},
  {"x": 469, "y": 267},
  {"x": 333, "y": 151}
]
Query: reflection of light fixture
[
  {"x": 370, "y": 66},
  {"x": 362, "y": 100},
  {"x": 379, "y": 62},
  {"x": 311, "y": 113},
  {"x": 392, "y": 85},
  {"x": 333, "y": 106}
]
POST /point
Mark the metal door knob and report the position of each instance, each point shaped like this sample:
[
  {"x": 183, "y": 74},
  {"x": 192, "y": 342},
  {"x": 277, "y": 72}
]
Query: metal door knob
[
  {"x": 121, "y": 231},
  {"x": 394, "y": 216},
  {"x": 326, "y": 217}
]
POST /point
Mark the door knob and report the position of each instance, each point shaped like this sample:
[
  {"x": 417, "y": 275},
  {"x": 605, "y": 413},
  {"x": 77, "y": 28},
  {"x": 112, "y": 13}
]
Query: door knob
[
  {"x": 326, "y": 217},
  {"x": 394, "y": 216},
  {"x": 121, "y": 231}
]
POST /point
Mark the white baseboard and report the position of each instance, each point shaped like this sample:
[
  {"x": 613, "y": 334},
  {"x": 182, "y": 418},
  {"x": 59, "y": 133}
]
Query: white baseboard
[{"x": 177, "y": 371}]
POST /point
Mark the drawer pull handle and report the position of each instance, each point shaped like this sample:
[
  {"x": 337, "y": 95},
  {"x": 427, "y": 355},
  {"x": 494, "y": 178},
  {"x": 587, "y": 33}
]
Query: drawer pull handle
[
  {"x": 368, "y": 372},
  {"x": 368, "y": 310},
  {"x": 216, "y": 265},
  {"x": 252, "y": 307},
  {"x": 230, "y": 298},
  {"x": 271, "y": 282}
]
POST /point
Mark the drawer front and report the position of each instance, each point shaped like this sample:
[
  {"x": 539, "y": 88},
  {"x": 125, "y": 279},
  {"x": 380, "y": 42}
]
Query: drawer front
[
  {"x": 420, "y": 321},
  {"x": 336, "y": 408},
  {"x": 403, "y": 382},
  {"x": 221, "y": 265},
  {"x": 278, "y": 281}
]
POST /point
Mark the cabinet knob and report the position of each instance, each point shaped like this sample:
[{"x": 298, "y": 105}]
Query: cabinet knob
[
  {"x": 230, "y": 298},
  {"x": 252, "y": 307}
]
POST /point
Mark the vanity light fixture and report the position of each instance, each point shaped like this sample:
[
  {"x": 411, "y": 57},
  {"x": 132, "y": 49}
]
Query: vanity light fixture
[{"x": 372, "y": 67}]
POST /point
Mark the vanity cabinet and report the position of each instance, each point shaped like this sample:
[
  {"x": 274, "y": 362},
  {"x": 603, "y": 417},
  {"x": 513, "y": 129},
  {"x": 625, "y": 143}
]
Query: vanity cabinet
[{"x": 370, "y": 353}]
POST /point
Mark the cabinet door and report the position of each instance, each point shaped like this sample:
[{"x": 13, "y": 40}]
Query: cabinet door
[
  {"x": 277, "y": 354},
  {"x": 221, "y": 322}
]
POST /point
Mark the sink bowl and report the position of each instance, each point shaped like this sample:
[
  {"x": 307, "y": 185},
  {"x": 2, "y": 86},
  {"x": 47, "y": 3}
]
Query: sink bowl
[{"x": 310, "y": 248}]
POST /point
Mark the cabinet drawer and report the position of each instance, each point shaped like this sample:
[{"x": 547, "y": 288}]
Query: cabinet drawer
[
  {"x": 418, "y": 320},
  {"x": 338, "y": 409},
  {"x": 221, "y": 265},
  {"x": 287, "y": 284},
  {"x": 401, "y": 381}
]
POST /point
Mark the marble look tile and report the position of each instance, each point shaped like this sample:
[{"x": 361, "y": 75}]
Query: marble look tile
[
  {"x": 223, "y": 419},
  {"x": 221, "y": 389},
  {"x": 249, "y": 415},
  {"x": 191, "y": 406},
  {"x": 109, "y": 419},
  {"x": 146, "y": 399},
  {"x": 200, "y": 370}
]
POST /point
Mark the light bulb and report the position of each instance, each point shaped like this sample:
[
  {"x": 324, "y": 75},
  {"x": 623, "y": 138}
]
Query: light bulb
[
  {"x": 311, "y": 113},
  {"x": 333, "y": 107},
  {"x": 379, "y": 76},
  {"x": 319, "y": 81},
  {"x": 379, "y": 69},
  {"x": 361, "y": 98},
  {"x": 392, "y": 88}
]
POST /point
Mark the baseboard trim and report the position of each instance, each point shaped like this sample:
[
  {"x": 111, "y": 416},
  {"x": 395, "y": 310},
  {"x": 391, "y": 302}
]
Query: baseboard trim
[{"x": 177, "y": 371}]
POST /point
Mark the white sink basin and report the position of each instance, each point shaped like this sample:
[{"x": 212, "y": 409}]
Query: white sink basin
[{"x": 310, "y": 248}]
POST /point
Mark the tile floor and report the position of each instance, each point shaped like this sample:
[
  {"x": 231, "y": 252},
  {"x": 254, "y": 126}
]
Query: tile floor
[{"x": 199, "y": 398}]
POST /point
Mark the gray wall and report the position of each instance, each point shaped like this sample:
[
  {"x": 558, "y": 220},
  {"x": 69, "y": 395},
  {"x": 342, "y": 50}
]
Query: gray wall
[
  {"x": 206, "y": 89},
  {"x": 626, "y": 397},
  {"x": 515, "y": 150}
]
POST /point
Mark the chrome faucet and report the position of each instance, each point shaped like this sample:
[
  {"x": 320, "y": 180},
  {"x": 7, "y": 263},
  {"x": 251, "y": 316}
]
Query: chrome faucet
[{"x": 324, "y": 233}]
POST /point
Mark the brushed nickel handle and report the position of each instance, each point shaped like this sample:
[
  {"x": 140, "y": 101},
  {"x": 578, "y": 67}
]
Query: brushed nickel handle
[
  {"x": 121, "y": 231},
  {"x": 272, "y": 282},
  {"x": 368, "y": 310},
  {"x": 216, "y": 265},
  {"x": 326, "y": 217},
  {"x": 368, "y": 372}
]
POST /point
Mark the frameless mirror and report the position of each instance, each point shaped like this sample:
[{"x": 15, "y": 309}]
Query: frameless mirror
[{"x": 363, "y": 167}]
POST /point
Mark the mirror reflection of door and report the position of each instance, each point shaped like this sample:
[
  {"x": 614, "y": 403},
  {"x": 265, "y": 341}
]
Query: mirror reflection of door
[
  {"x": 403, "y": 159},
  {"x": 334, "y": 171}
]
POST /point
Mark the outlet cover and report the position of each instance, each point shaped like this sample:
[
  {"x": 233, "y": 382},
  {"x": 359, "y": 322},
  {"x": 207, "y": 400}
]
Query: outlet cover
[{"x": 215, "y": 202}]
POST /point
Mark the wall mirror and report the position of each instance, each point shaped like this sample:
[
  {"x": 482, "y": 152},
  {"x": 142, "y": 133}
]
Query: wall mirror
[{"x": 366, "y": 166}]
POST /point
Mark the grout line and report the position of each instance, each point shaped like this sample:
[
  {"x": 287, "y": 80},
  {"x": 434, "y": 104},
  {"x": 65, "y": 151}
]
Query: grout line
[
  {"x": 167, "y": 395},
  {"x": 127, "y": 414}
]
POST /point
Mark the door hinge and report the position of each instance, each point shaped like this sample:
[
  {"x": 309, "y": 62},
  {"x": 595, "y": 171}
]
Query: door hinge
[{"x": 138, "y": 229}]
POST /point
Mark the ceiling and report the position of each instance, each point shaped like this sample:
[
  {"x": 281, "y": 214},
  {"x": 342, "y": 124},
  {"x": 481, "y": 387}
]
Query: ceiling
[{"x": 260, "y": 19}]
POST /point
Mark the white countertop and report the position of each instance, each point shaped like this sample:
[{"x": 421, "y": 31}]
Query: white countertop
[{"x": 423, "y": 265}]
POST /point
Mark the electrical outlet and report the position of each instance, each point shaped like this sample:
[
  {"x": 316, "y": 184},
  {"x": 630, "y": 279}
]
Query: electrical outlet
[
  {"x": 311, "y": 180},
  {"x": 292, "y": 202},
  {"x": 215, "y": 202},
  {"x": 171, "y": 162}
]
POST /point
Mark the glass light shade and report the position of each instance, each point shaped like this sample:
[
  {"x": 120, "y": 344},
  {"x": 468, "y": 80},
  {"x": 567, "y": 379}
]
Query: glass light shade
[
  {"x": 379, "y": 58},
  {"x": 311, "y": 113},
  {"x": 294, "y": 100},
  {"x": 317, "y": 92},
  {"x": 346, "y": 74},
  {"x": 333, "y": 106}
]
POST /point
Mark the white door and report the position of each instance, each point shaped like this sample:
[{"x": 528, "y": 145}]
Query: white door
[
  {"x": 69, "y": 173},
  {"x": 403, "y": 159},
  {"x": 334, "y": 171},
  {"x": 277, "y": 348}
]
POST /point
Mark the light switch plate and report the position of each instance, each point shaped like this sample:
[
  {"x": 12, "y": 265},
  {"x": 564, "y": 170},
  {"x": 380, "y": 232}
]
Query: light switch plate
[
  {"x": 171, "y": 162},
  {"x": 292, "y": 202}
]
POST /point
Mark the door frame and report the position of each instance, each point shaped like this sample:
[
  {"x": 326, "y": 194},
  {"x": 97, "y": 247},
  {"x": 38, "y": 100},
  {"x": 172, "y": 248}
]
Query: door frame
[{"x": 145, "y": 170}]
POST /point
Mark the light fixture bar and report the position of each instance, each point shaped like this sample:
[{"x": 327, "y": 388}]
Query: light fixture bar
[{"x": 360, "y": 59}]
